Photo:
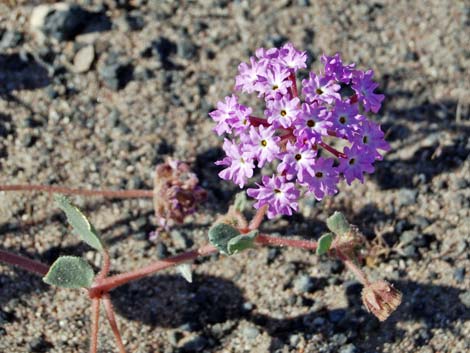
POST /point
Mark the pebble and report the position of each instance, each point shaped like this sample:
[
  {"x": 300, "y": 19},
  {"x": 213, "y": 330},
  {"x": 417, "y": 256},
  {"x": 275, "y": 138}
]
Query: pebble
[
  {"x": 459, "y": 274},
  {"x": 349, "y": 348},
  {"x": 10, "y": 39},
  {"x": 116, "y": 75},
  {"x": 304, "y": 284},
  {"x": 84, "y": 59},
  {"x": 329, "y": 267},
  {"x": 196, "y": 344},
  {"x": 465, "y": 298},
  {"x": 250, "y": 332},
  {"x": 180, "y": 240},
  {"x": 406, "y": 197}
]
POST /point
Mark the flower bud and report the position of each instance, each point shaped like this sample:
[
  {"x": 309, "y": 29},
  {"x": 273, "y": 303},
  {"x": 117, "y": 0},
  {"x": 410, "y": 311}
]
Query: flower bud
[{"x": 381, "y": 299}]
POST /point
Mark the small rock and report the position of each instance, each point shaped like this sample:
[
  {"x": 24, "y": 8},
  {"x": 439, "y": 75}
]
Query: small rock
[
  {"x": 250, "y": 332},
  {"x": 195, "y": 344},
  {"x": 116, "y": 75},
  {"x": 294, "y": 340},
  {"x": 185, "y": 48},
  {"x": 349, "y": 348},
  {"x": 180, "y": 240},
  {"x": 406, "y": 197},
  {"x": 329, "y": 267},
  {"x": 39, "y": 345},
  {"x": 84, "y": 59},
  {"x": 304, "y": 284},
  {"x": 28, "y": 140},
  {"x": 247, "y": 306},
  {"x": 465, "y": 298},
  {"x": 459, "y": 274},
  {"x": 10, "y": 39}
]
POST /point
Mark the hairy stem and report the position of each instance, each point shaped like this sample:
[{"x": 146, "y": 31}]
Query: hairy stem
[
  {"x": 24, "y": 263},
  {"x": 360, "y": 275},
  {"x": 106, "y": 264},
  {"x": 264, "y": 239},
  {"x": 122, "y": 194},
  {"x": 108, "y": 306},
  {"x": 258, "y": 218},
  {"x": 112, "y": 282},
  {"x": 95, "y": 318}
]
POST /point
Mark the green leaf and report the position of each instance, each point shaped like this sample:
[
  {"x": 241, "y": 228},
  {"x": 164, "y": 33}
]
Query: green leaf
[
  {"x": 324, "y": 243},
  {"x": 70, "y": 272},
  {"x": 241, "y": 242},
  {"x": 220, "y": 234},
  {"x": 338, "y": 224},
  {"x": 80, "y": 223},
  {"x": 240, "y": 202}
]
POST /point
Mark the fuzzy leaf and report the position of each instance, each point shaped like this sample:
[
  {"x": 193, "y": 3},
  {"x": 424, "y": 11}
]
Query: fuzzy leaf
[
  {"x": 220, "y": 235},
  {"x": 80, "y": 223},
  {"x": 186, "y": 272},
  {"x": 324, "y": 243},
  {"x": 70, "y": 272},
  {"x": 241, "y": 242},
  {"x": 240, "y": 202},
  {"x": 337, "y": 223}
]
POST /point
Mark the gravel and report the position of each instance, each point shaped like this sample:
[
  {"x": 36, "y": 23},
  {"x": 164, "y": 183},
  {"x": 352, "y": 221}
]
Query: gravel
[{"x": 94, "y": 94}]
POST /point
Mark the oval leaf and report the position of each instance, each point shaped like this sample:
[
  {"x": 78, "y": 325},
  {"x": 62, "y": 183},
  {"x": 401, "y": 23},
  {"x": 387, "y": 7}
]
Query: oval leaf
[
  {"x": 80, "y": 223},
  {"x": 337, "y": 223},
  {"x": 324, "y": 243},
  {"x": 70, "y": 272},
  {"x": 241, "y": 242},
  {"x": 220, "y": 234},
  {"x": 241, "y": 201}
]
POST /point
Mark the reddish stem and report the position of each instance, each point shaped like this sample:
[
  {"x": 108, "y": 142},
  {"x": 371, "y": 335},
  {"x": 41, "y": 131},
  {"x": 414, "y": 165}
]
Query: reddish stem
[
  {"x": 106, "y": 264},
  {"x": 108, "y": 306},
  {"x": 258, "y": 218},
  {"x": 360, "y": 275},
  {"x": 255, "y": 121},
  {"x": 264, "y": 239},
  {"x": 95, "y": 317},
  {"x": 112, "y": 282},
  {"x": 335, "y": 134},
  {"x": 293, "y": 88},
  {"x": 332, "y": 150},
  {"x": 68, "y": 191},
  {"x": 24, "y": 263}
]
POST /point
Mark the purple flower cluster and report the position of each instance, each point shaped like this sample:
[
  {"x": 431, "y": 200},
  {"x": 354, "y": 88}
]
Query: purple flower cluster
[{"x": 296, "y": 131}]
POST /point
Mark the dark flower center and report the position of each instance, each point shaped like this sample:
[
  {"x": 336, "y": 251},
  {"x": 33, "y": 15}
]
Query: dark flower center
[
  {"x": 283, "y": 112},
  {"x": 310, "y": 123},
  {"x": 342, "y": 119},
  {"x": 319, "y": 91},
  {"x": 352, "y": 161},
  {"x": 264, "y": 143},
  {"x": 277, "y": 191},
  {"x": 365, "y": 139},
  {"x": 275, "y": 87},
  {"x": 319, "y": 174},
  {"x": 298, "y": 156}
]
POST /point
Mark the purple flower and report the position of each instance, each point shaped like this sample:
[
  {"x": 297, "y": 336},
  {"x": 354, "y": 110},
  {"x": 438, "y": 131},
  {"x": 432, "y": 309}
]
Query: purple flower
[
  {"x": 356, "y": 163},
  {"x": 297, "y": 161},
  {"x": 371, "y": 138},
  {"x": 292, "y": 58},
  {"x": 322, "y": 88},
  {"x": 248, "y": 75},
  {"x": 240, "y": 121},
  {"x": 262, "y": 144},
  {"x": 345, "y": 118},
  {"x": 334, "y": 67},
  {"x": 311, "y": 124},
  {"x": 223, "y": 114},
  {"x": 324, "y": 178},
  {"x": 283, "y": 112},
  {"x": 280, "y": 196},
  {"x": 276, "y": 81},
  {"x": 364, "y": 88},
  {"x": 239, "y": 164}
]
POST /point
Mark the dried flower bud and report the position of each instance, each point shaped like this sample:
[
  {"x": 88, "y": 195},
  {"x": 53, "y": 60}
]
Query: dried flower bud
[
  {"x": 381, "y": 299},
  {"x": 176, "y": 192}
]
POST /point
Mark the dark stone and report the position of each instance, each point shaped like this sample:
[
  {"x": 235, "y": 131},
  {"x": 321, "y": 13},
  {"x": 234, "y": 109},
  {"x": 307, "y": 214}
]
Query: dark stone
[
  {"x": 162, "y": 250},
  {"x": 163, "y": 48},
  {"x": 116, "y": 75},
  {"x": 336, "y": 315},
  {"x": 66, "y": 24},
  {"x": 39, "y": 345},
  {"x": 28, "y": 140},
  {"x": 273, "y": 253},
  {"x": 180, "y": 240},
  {"x": 197, "y": 344},
  {"x": 185, "y": 48}
]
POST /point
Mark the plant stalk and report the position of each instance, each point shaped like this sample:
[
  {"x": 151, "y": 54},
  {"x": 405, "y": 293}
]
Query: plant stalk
[{"x": 24, "y": 263}]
